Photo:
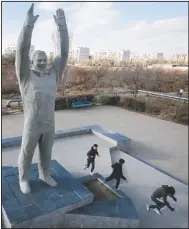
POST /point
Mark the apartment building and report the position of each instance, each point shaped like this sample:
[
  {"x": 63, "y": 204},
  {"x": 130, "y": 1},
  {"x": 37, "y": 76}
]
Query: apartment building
[
  {"x": 82, "y": 54},
  {"x": 135, "y": 56},
  {"x": 124, "y": 55}
]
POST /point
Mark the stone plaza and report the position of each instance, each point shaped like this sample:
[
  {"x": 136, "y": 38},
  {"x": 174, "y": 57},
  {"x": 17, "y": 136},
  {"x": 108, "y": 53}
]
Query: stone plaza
[{"x": 70, "y": 150}]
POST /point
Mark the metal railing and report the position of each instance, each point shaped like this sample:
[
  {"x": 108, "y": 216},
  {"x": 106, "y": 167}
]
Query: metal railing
[
  {"x": 164, "y": 95},
  {"x": 149, "y": 93}
]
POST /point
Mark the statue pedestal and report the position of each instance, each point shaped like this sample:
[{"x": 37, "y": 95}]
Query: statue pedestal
[
  {"x": 110, "y": 209},
  {"x": 45, "y": 206}
]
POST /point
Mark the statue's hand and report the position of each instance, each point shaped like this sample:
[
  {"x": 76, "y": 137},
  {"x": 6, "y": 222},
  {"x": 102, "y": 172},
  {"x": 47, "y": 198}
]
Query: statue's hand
[
  {"x": 31, "y": 19},
  {"x": 60, "y": 19}
]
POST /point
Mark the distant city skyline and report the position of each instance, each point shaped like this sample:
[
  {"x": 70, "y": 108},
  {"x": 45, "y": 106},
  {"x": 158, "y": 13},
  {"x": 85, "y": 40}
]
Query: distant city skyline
[
  {"x": 12, "y": 47},
  {"x": 83, "y": 55},
  {"x": 144, "y": 27}
]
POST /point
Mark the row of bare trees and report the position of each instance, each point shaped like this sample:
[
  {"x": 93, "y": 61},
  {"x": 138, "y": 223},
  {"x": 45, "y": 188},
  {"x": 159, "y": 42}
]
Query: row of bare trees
[{"x": 133, "y": 76}]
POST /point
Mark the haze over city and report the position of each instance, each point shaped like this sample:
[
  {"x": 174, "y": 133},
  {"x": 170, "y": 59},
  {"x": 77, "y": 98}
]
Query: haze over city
[{"x": 144, "y": 27}]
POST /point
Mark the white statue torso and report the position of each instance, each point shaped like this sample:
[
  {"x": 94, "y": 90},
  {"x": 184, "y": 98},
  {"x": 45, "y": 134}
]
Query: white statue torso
[{"x": 39, "y": 94}]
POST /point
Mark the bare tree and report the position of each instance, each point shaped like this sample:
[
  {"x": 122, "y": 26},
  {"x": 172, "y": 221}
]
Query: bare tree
[
  {"x": 177, "y": 109},
  {"x": 113, "y": 78},
  {"x": 86, "y": 79},
  {"x": 138, "y": 69},
  {"x": 112, "y": 83},
  {"x": 133, "y": 82},
  {"x": 158, "y": 84},
  {"x": 65, "y": 76},
  {"x": 9, "y": 57},
  {"x": 136, "y": 85},
  {"x": 98, "y": 73}
]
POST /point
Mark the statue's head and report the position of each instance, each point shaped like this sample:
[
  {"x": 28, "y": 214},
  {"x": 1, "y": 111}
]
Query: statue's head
[{"x": 39, "y": 60}]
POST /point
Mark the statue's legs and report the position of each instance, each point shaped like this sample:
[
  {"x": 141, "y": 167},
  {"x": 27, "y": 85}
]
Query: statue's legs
[
  {"x": 45, "y": 150},
  {"x": 29, "y": 142}
]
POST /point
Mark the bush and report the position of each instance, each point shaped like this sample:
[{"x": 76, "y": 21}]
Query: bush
[
  {"x": 127, "y": 102},
  {"x": 133, "y": 104},
  {"x": 154, "y": 108},
  {"x": 140, "y": 106},
  {"x": 109, "y": 99},
  {"x": 60, "y": 103},
  {"x": 182, "y": 114},
  {"x": 10, "y": 88},
  {"x": 100, "y": 77}
]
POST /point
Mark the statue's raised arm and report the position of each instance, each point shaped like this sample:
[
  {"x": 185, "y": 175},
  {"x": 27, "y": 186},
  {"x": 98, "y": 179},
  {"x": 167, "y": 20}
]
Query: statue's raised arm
[
  {"x": 61, "y": 59},
  {"x": 23, "y": 46}
]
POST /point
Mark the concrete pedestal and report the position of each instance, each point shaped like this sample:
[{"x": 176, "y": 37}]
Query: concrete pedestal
[{"x": 45, "y": 206}]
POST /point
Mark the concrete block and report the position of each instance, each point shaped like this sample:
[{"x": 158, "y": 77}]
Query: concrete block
[
  {"x": 32, "y": 211},
  {"x": 44, "y": 203},
  {"x": 120, "y": 141},
  {"x": 124, "y": 145},
  {"x": 103, "y": 136},
  {"x": 116, "y": 213},
  {"x": 9, "y": 142},
  {"x": 12, "y": 205},
  {"x": 7, "y": 193},
  {"x": 89, "y": 221},
  {"x": 10, "y": 172},
  {"x": 72, "y": 132},
  {"x": 115, "y": 136},
  {"x": 25, "y": 201}
]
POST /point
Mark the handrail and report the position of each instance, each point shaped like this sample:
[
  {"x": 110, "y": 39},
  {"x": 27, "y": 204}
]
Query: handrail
[
  {"x": 148, "y": 92},
  {"x": 163, "y": 95}
]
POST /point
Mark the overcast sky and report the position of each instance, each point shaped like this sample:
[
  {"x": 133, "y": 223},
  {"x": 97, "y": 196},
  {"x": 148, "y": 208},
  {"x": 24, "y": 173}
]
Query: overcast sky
[{"x": 138, "y": 26}]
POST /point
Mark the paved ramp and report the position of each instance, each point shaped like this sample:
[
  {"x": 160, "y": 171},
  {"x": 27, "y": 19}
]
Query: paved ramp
[{"x": 142, "y": 181}]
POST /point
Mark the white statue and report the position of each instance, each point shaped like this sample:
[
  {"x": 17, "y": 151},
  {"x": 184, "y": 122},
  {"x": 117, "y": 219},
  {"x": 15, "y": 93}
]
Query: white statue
[{"x": 38, "y": 86}]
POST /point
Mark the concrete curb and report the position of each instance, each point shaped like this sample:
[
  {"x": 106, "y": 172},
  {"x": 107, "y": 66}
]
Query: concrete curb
[{"x": 112, "y": 137}]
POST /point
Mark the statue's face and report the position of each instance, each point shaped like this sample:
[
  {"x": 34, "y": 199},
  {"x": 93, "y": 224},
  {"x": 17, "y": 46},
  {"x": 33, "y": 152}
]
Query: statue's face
[{"x": 40, "y": 62}]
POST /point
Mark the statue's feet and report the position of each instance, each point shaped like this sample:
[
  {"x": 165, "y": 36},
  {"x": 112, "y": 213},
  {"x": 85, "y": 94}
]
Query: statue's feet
[
  {"x": 49, "y": 180},
  {"x": 25, "y": 187}
]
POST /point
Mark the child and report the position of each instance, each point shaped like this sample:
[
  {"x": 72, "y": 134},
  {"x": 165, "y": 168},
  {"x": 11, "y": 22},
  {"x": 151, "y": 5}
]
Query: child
[
  {"x": 162, "y": 192},
  {"x": 117, "y": 173},
  {"x": 91, "y": 158}
]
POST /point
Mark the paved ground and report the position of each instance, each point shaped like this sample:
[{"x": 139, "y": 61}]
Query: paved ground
[
  {"x": 142, "y": 179},
  {"x": 140, "y": 186},
  {"x": 162, "y": 143},
  {"x": 70, "y": 153}
]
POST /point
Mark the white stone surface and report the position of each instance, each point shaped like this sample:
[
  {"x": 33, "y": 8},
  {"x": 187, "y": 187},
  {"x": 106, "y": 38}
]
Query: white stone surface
[
  {"x": 162, "y": 143},
  {"x": 142, "y": 181},
  {"x": 71, "y": 153}
]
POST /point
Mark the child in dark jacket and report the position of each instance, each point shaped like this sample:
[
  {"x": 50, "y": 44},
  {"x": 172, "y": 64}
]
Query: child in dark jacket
[
  {"x": 162, "y": 192},
  {"x": 117, "y": 173},
  {"x": 91, "y": 158}
]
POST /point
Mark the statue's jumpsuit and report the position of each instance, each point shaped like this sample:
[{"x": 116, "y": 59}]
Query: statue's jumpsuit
[{"x": 38, "y": 94}]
